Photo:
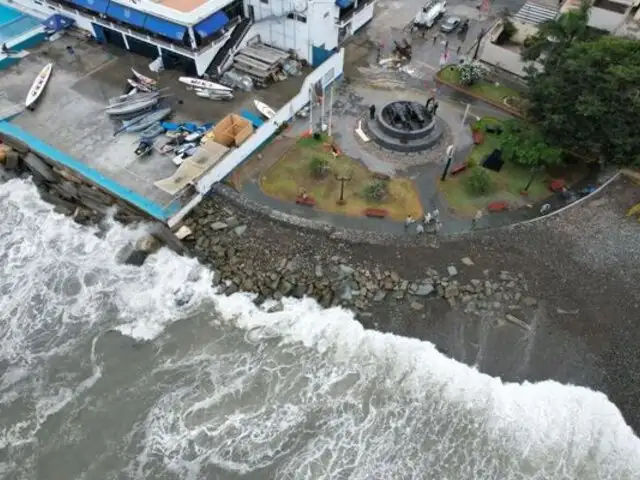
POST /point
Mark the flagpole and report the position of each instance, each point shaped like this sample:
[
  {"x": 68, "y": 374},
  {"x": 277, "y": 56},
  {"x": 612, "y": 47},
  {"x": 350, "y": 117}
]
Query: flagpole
[
  {"x": 311, "y": 110},
  {"x": 322, "y": 111},
  {"x": 330, "y": 108}
]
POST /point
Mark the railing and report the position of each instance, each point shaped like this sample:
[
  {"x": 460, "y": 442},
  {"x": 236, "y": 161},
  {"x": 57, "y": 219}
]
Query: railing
[{"x": 327, "y": 73}]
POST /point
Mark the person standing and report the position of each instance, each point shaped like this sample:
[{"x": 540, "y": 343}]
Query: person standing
[
  {"x": 476, "y": 219},
  {"x": 419, "y": 229},
  {"x": 372, "y": 112},
  {"x": 458, "y": 50},
  {"x": 435, "y": 39},
  {"x": 407, "y": 222}
]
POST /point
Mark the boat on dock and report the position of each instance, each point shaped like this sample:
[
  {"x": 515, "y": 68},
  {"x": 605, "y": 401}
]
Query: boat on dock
[
  {"x": 142, "y": 87},
  {"x": 38, "y": 86},
  {"x": 152, "y": 131},
  {"x": 143, "y": 78},
  {"x": 203, "y": 84},
  {"x": 130, "y": 108},
  {"x": 213, "y": 94},
  {"x": 264, "y": 109},
  {"x": 147, "y": 120}
]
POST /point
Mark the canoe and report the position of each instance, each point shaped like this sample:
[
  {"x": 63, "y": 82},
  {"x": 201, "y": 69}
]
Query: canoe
[
  {"x": 148, "y": 120},
  {"x": 205, "y": 84},
  {"x": 264, "y": 109},
  {"x": 140, "y": 86},
  {"x": 129, "y": 108},
  {"x": 152, "y": 131},
  {"x": 132, "y": 96},
  {"x": 143, "y": 78},
  {"x": 38, "y": 85},
  {"x": 213, "y": 94}
]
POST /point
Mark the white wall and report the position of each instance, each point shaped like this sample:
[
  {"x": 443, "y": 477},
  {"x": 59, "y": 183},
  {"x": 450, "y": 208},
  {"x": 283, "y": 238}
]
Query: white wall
[
  {"x": 605, "y": 19},
  {"x": 362, "y": 17}
]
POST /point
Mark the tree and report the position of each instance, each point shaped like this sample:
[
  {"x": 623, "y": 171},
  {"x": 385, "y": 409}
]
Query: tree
[
  {"x": 524, "y": 144},
  {"x": 508, "y": 27},
  {"x": 470, "y": 73},
  {"x": 318, "y": 167},
  {"x": 589, "y": 102},
  {"x": 554, "y": 36},
  {"x": 479, "y": 182}
]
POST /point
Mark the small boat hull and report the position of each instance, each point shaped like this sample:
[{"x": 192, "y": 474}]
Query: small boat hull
[
  {"x": 264, "y": 109},
  {"x": 38, "y": 86},
  {"x": 204, "y": 84},
  {"x": 143, "y": 78}
]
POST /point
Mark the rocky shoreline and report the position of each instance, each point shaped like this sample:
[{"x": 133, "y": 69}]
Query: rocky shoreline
[{"x": 223, "y": 238}]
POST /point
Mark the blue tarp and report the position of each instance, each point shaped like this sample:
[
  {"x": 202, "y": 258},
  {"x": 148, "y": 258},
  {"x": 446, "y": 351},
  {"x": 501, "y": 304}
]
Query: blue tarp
[
  {"x": 165, "y": 28},
  {"x": 99, "y": 6},
  {"x": 57, "y": 22},
  {"x": 211, "y": 25},
  {"x": 126, "y": 15},
  {"x": 344, "y": 3}
]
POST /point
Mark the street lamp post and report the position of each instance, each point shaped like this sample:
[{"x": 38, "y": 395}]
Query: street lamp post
[
  {"x": 477, "y": 50},
  {"x": 450, "y": 150}
]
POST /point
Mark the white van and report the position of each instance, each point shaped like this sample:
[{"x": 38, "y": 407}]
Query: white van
[{"x": 430, "y": 13}]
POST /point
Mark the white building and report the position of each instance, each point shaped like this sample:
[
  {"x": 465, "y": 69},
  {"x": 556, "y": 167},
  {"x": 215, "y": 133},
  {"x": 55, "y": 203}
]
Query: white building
[{"x": 200, "y": 36}]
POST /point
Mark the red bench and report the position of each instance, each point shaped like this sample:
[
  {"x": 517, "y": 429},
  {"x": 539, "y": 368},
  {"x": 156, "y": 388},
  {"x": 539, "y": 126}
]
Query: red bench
[
  {"x": 459, "y": 169},
  {"x": 376, "y": 212},
  {"x": 478, "y": 137},
  {"x": 557, "y": 185},
  {"x": 306, "y": 201},
  {"x": 499, "y": 206}
]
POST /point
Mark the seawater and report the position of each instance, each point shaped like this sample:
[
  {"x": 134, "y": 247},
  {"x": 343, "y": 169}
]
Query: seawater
[{"x": 116, "y": 372}]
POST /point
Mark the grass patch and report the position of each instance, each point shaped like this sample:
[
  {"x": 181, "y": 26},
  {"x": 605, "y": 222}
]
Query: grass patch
[
  {"x": 507, "y": 183},
  {"x": 285, "y": 179},
  {"x": 483, "y": 89}
]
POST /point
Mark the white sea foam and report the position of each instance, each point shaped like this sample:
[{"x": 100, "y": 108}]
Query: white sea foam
[{"x": 301, "y": 393}]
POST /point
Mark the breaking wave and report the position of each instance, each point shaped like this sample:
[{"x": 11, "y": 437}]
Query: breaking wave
[{"x": 183, "y": 383}]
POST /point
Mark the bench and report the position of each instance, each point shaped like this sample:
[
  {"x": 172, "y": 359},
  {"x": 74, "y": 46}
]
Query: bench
[
  {"x": 376, "y": 212},
  {"x": 363, "y": 136},
  {"x": 478, "y": 137},
  {"x": 499, "y": 206},
  {"x": 459, "y": 169},
  {"x": 306, "y": 201},
  {"x": 557, "y": 185}
]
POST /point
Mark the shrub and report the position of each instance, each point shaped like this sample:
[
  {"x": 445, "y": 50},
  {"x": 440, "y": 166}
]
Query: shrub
[
  {"x": 376, "y": 190},
  {"x": 319, "y": 167},
  {"x": 479, "y": 182},
  {"x": 470, "y": 73},
  {"x": 472, "y": 162}
]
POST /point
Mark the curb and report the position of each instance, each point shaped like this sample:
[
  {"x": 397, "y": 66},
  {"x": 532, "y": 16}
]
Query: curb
[{"x": 499, "y": 106}]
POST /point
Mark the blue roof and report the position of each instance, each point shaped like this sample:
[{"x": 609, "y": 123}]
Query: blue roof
[
  {"x": 38, "y": 146},
  {"x": 165, "y": 28},
  {"x": 212, "y": 24},
  {"x": 126, "y": 15},
  {"x": 344, "y": 3},
  {"x": 99, "y": 6},
  {"x": 57, "y": 22}
]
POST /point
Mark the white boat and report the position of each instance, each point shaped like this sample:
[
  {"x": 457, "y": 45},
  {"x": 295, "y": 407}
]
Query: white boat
[
  {"x": 142, "y": 87},
  {"x": 143, "y": 78},
  {"x": 264, "y": 109},
  {"x": 38, "y": 85},
  {"x": 213, "y": 94},
  {"x": 204, "y": 84}
]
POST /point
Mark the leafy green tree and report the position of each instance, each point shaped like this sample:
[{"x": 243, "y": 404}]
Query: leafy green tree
[
  {"x": 524, "y": 144},
  {"x": 555, "y": 36},
  {"x": 319, "y": 167},
  {"x": 479, "y": 182},
  {"x": 470, "y": 73},
  {"x": 589, "y": 103},
  {"x": 508, "y": 27}
]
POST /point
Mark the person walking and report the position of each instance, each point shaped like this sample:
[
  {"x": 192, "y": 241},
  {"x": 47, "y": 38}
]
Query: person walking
[
  {"x": 435, "y": 39},
  {"x": 458, "y": 50},
  {"x": 427, "y": 218},
  {"x": 436, "y": 215},
  {"x": 372, "y": 112},
  {"x": 407, "y": 222},
  {"x": 419, "y": 229},
  {"x": 476, "y": 218}
]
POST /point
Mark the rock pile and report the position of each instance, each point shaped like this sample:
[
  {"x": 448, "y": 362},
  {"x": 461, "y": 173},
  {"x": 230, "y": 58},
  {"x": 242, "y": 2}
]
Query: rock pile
[{"x": 242, "y": 261}]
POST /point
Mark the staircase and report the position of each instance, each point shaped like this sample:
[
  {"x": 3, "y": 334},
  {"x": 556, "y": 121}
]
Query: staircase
[
  {"x": 229, "y": 48},
  {"x": 535, "y": 13}
]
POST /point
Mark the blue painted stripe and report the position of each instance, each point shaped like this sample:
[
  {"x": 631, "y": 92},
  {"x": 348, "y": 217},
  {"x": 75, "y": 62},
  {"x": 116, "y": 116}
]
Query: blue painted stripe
[
  {"x": 99, "y": 6},
  {"x": 151, "y": 208},
  {"x": 165, "y": 28},
  {"x": 253, "y": 118}
]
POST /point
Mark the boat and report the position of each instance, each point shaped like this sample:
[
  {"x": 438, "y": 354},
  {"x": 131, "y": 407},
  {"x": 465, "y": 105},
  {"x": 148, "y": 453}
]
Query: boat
[
  {"x": 204, "y": 84},
  {"x": 152, "y": 131},
  {"x": 144, "y": 148},
  {"x": 143, "y": 78},
  {"x": 129, "y": 108},
  {"x": 150, "y": 119},
  {"x": 140, "y": 86},
  {"x": 264, "y": 109},
  {"x": 38, "y": 85},
  {"x": 213, "y": 94},
  {"x": 132, "y": 96}
]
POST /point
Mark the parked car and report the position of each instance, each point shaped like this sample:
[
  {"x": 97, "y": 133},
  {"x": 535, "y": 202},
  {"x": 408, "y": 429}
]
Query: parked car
[
  {"x": 450, "y": 24},
  {"x": 430, "y": 13}
]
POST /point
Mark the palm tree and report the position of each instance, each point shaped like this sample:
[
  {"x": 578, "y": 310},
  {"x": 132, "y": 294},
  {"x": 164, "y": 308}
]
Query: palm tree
[{"x": 554, "y": 36}]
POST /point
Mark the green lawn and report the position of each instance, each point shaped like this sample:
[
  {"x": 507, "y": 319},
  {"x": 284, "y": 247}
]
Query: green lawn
[
  {"x": 508, "y": 182},
  {"x": 484, "y": 89},
  {"x": 292, "y": 173}
]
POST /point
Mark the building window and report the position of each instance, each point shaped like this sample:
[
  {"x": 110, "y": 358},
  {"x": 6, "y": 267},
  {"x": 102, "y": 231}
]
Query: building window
[
  {"x": 326, "y": 14},
  {"x": 300, "y": 18},
  {"x": 264, "y": 1}
]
